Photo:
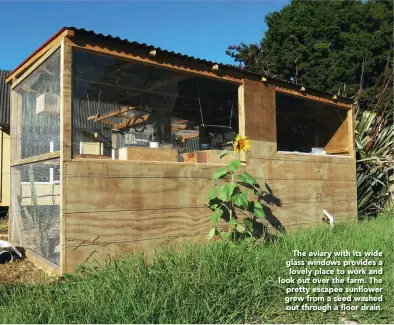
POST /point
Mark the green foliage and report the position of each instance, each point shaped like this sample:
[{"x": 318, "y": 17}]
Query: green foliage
[
  {"x": 220, "y": 173},
  {"x": 375, "y": 162},
  {"x": 231, "y": 199},
  {"x": 330, "y": 45},
  {"x": 216, "y": 283}
]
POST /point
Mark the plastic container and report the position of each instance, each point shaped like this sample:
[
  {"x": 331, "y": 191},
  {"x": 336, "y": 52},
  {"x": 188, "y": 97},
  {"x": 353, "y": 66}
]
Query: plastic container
[{"x": 318, "y": 150}]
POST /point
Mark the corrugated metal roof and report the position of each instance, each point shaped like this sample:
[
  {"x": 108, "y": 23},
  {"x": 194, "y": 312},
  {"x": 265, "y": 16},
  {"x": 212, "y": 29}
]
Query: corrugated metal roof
[
  {"x": 192, "y": 58},
  {"x": 152, "y": 47},
  {"x": 4, "y": 98},
  {"x": 178, "y": 55}
]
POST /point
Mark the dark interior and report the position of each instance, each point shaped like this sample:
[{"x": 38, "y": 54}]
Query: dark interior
[{"x": 303, "y": 124}]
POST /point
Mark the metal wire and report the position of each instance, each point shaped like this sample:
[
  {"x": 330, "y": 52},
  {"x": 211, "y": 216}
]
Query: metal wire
[
  {"x": 39, "y": 102},
  {"x": 35, "y": 207}
]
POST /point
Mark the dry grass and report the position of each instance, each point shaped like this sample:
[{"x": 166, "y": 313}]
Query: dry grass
[{"x": 22, "y": 272}]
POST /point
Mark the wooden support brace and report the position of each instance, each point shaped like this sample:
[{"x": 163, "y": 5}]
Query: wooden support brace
[
  {"x": 132, "y": 122},
  {"x": 116, "y": 113}
]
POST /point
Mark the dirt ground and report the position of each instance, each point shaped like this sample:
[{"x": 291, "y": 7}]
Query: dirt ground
[{"x": 19, "y": 271}]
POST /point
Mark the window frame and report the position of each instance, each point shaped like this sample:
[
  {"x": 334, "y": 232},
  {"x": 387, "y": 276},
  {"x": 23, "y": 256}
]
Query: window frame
[{"x": 323, "y": 101}]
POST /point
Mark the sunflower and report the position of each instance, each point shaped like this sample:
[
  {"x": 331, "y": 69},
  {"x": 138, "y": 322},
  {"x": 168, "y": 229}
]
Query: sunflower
[{"x": 241, "y": 144}]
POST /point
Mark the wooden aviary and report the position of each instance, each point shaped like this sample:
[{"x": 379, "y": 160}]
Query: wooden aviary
[{"x": 160, "y": 120}]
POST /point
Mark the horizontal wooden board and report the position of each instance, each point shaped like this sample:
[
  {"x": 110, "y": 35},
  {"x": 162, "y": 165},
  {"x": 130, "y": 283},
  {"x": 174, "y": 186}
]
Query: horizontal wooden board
[
  {"x": 110, "y": 227},
  {"x": 100, "y": 193},
  {"x": 291, "y": 156},
  {"x": 146, "y": 154},
  {"x": 98, "y": 236},
  {"x": 101, "y": 253},
  {"x": 119, "y": 194},
  {"x": 118, "y": 189},
  {"x": 283, "y": 169},
  {"x": 115, "y": 168}
]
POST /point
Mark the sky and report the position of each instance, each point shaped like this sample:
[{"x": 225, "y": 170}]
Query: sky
[{"x": 202, "y": 29}]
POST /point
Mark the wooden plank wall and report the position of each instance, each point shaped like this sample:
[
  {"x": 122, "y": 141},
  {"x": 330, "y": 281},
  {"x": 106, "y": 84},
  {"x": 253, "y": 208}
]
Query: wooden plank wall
[
  {"x": 122, "y": 205},
  {"x": 114, "y": 206}
]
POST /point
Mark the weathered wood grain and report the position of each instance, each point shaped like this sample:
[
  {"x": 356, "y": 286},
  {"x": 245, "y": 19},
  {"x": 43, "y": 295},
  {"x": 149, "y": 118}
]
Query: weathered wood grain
[
  {"x": 111, "y": 227},
  {"x": 260, "y": 111}
]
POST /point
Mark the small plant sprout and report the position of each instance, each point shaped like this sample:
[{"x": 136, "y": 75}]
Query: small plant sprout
[{"x": 230, "y": 200}]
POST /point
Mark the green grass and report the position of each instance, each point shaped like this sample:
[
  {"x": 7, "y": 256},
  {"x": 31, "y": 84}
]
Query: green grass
[{"x": 212, "y": 283}]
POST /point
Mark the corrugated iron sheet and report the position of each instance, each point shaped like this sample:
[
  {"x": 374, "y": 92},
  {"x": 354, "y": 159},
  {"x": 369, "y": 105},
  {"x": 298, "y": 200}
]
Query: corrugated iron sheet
[
  {"x": 175, "y": 54},
  {"x": 192, "y": 58},
  {"x": 4, "y": 99}
]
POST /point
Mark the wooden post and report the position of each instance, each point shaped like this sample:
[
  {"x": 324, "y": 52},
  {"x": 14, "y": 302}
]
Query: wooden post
[
  {"x": 241, "y": 117},
  {"x": 65, "y": 136},
  {"x": 351, "y": 132},
  {"x": 15, "y": 153}
]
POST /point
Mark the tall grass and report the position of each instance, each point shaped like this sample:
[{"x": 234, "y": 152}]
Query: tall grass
[{"x": 200, "y": 283}]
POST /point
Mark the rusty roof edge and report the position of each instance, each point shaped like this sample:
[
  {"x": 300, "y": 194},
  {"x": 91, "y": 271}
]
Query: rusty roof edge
[{"x": 178, "y": 55}]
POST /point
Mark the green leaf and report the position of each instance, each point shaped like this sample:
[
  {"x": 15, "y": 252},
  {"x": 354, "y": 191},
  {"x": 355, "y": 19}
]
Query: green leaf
[
  {"x": 246, "y": 178},
  {"x": 215, "y": 217},
  {"x": 226, "y": 191},
  {"x": 234, "y": 165},
  {"x": 214, "y": 206},
  {"x": 226, "y": 234},
  {"x": 240, "y": 228},
  {"x": 256, "y": 209},
  {"x": 240, "y": 200},
  {"x": 249, "y": 225},
  {"x": 211, "y": 194},
  {"x": 232, "y": 221},
  {"x": 259, "y": 213},
  {"x": 220, "y": 173},
  {"x": 257, "y": 205},
  {"x": 224, "y": 153},
  {"x": 212, "y": 233}
]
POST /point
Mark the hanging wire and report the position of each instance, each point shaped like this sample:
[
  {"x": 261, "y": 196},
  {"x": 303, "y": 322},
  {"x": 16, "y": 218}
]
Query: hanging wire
[{"x": 199, "y": 104}]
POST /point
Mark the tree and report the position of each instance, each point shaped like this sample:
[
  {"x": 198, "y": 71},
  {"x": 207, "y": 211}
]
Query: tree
[{"x": 337, "y": 46}]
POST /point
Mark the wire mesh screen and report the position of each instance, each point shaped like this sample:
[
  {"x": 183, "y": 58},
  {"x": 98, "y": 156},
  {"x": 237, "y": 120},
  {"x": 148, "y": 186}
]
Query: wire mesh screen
[
  {"x": 35, "y": 208},
  {"x": 36, "y": 111},
  {"x": 14, "y": 231}
]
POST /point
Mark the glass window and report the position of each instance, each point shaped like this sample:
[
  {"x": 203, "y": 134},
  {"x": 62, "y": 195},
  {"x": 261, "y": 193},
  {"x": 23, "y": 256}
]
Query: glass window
[
  {"x": 310, "y": 127},
  {"x": 128, "y": 110}
]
